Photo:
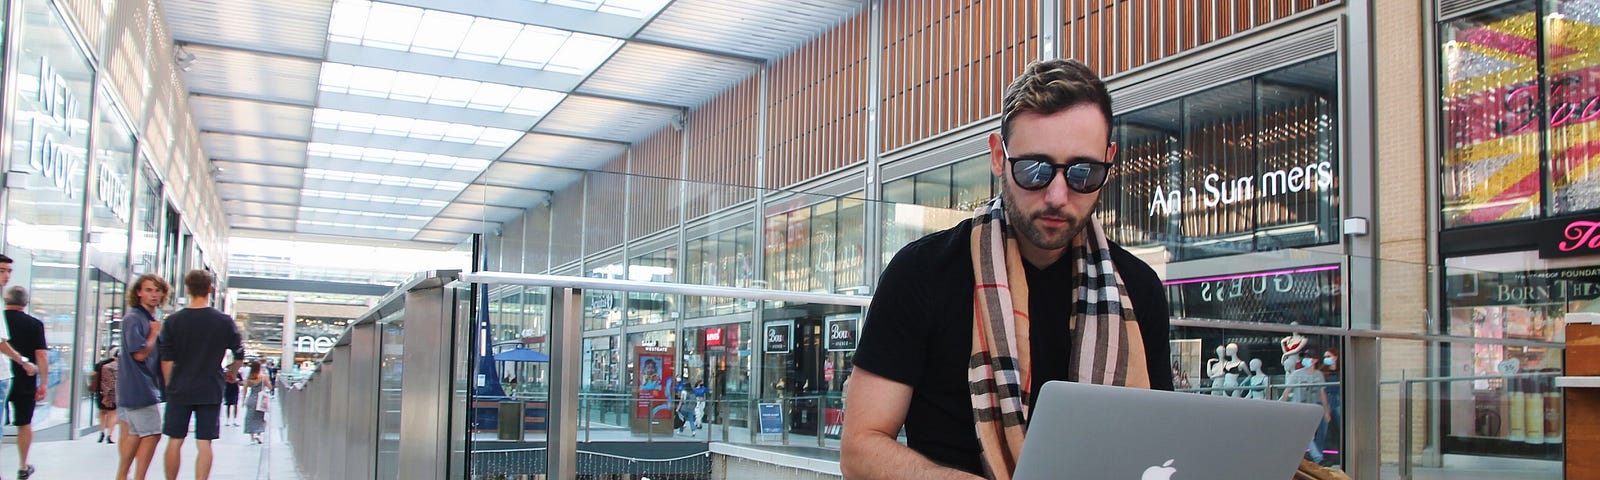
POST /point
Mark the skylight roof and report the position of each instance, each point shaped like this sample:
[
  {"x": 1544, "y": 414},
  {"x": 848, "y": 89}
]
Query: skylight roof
[
  {"x": 446, "y": 91},
  {"x": 360, "y": 122},
  {"x": 342, "y": 225},
  {"x": 386, "y": 180},
  {"x": 362, "y": 197},
  {"x": 359, "y": 213},
  {"x": 629, "y": 8},
  {"x": 444, "y": 34},
  {"x": 395, "y": 157}
]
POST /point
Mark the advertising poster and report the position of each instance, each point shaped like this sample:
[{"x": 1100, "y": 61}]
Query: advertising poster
[
  {"x": 842, "y": 332},
  {"x": 771, "y": 418},
  {"x": 1185, "y": 363},
  {"x": 655, "y": 369}
]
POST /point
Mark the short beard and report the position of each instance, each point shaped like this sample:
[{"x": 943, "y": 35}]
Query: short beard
[{"x": 1023, "y": 226}]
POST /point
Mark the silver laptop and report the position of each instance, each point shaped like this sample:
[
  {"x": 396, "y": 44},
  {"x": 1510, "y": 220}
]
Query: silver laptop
[{"x": 1113, "y": 433}]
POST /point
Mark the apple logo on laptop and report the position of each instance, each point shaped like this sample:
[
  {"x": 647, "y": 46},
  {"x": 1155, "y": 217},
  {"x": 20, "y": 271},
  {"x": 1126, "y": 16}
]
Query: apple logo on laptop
[{"x": 1163, "y": 472}]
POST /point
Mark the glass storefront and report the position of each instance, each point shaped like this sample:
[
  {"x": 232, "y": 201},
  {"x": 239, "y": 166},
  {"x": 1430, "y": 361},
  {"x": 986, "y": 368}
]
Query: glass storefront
[
  {"x": 1519, "y": 107},
  {"x": 1510, "y": 296},
  {"x": 917, "y": 206},
  {"x": 817, "y": 248},
  {"x": 658, "y": 266},
  {"x": 1248, "y": 166},
  {"x": 725, "y": 259},
  {"x": 719, "y": 355},
  {"x": 53, "y": 85}
]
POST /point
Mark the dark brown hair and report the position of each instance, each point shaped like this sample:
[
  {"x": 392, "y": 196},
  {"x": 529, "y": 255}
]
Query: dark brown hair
[
  {"x": 1050, "y": 86},
  {"x": 197, "y": 283}
]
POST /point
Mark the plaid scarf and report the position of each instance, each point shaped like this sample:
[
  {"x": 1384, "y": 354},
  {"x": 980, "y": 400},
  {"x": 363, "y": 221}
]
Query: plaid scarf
[{"x": 1106, "y": 346}]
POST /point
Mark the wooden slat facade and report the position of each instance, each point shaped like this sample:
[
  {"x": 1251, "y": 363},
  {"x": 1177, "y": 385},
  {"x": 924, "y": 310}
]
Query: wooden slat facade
[
  {"x": 722, "y": 149},
  {"x": 1116, "y": 36},
  {"x": 817, "y": 107},
  {"x": 657, "y": 161}
]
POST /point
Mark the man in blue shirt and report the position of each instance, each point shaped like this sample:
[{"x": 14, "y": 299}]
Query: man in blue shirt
[
  {"x": 192, "y": 347},
  {"x": 138, "y": 391}
]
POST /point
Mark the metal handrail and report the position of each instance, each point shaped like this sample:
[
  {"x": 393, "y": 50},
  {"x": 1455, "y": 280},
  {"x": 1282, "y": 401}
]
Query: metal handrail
[
  {"x": 1406, "y": 404},
  {"x": 559, "y": 281}
]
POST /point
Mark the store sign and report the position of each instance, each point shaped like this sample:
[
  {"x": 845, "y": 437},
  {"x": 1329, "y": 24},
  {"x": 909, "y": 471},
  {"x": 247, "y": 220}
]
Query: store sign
[
  {"x": 112, "y": 190},
  {"x": 714, "y": 337},
  {"x": 777, "y": 337},
  {"x": 52, "y": 158},
  {"x": 1216, "y": 190},
  {"x": 1569, "y": 238},
  {"x": 842, "y": 332},
  {"x": 314, "y": 344},
  {"x": 1308, "y": 296}
]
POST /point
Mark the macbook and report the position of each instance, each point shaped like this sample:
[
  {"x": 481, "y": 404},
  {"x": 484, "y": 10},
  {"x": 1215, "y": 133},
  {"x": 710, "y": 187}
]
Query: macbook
[{"x": 1102, "y": 432}]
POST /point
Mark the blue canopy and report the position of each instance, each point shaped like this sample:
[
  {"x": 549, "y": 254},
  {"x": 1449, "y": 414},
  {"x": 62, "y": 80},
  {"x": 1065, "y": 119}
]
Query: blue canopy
[{"x": 521, "y": 355}]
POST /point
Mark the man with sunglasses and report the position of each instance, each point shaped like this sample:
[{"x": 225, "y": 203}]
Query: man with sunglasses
[{"x": 967, "y": 323}]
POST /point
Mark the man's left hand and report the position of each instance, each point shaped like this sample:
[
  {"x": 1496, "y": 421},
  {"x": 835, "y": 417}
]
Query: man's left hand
[{"x": 39, "y": 395}]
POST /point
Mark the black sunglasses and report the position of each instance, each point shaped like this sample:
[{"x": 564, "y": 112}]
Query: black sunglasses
[{"x": 1083, "y": 176}]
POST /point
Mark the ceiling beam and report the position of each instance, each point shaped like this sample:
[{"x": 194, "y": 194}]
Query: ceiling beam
[
  {"x": 451, "y": 67},
  {"x": 271, "y": 53},
  {"x": 535, "y": 13},
  {"x": 203, "y": 94},
  {"x": 255, "y": 134},
  {"x": 758, "y": 61}
]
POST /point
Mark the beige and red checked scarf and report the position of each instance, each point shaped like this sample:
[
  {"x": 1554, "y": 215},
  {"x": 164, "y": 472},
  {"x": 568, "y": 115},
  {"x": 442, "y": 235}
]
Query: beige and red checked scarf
[{"x": 1107, "y": 348}]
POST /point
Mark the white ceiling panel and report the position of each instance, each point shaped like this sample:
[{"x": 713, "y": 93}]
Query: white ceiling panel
[
  {"x": 502, "y": 196},
  {"x": 661, "y": 74},
  {"x": 289, "y": 27},
  {"x": 317, "y": 201},
  {"x": 753, "y": 28},
  {"x": 257, "y": 193},
  {"x": 368, "y": 231},
  {"x": 439, "y": 236},
  {"x": 469, "y": 211},
  {"x": 269, "y": 175},
  {"x": 567, "y": 152},
  {"x": 533, "y": 177},
  {"x": 461, "y": 225},
  {"x": 606, "y": 119},
  {"x": 245, "y": 148},
  {"x": 379, "y": 189},
  {"x": 247, "y": 117},
  {"x": 240, "y": 73},
  {"x": 254, "y": 209},
  {"x": 260, "y": 223}
]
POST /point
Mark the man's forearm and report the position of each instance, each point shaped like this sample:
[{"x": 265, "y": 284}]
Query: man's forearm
[
  {"x": 872, "y": 455},
  {"x": 44, "y": 367},
  {"x": 166, "y": 370}
]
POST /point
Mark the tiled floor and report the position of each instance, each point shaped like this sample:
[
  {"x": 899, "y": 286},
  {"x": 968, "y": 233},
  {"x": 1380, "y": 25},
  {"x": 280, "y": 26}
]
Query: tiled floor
[{"x": 235, "y": 458}]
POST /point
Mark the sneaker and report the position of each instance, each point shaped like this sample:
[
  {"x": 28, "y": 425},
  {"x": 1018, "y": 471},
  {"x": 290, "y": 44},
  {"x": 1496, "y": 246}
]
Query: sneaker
[{"x": 25, "y": 473}]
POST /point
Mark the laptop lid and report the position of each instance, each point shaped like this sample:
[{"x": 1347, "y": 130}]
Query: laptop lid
[{"x": 1102, "y": 432}]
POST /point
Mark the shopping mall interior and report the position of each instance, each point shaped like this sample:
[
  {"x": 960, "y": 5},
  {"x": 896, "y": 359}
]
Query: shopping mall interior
[{"x": 516, "y": 239}]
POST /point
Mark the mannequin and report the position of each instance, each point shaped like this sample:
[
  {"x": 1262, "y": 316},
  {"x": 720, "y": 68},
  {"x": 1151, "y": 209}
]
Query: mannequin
[
  {"x": 1216, "y": 369},
  {"x": 1234, "y": 372},
  {"x": 1256, "y": 385},
  {"x": 1292, "y": 345}
]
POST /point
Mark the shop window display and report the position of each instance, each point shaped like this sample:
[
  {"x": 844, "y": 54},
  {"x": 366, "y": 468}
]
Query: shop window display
[
  {"x": 1519, "y": 111},
  {"x": 720, "y": 356},
  {"x": 1520, "y": 414},
  {"x": 1248, "y": 166},
  {"x": 934, "y": 200},
  {"x": 817, "y": 248}
]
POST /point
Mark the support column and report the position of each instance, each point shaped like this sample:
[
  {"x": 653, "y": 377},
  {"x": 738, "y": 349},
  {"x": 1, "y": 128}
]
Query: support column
[
  {"x": 288, "y": 333},
  {"x": 566, "y": 317}
]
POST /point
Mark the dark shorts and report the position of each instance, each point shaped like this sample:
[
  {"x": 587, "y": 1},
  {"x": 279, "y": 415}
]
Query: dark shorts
[
  {"x": 175, "y": 424},
  {"x": 22, "y": 411}
]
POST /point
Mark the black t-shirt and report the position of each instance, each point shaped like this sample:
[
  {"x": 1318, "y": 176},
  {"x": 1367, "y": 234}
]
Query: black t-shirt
[
  {"x": 194, "y": 339},
  {"x": 918, "y": 332},
  {"x": 27, "y": 338}
]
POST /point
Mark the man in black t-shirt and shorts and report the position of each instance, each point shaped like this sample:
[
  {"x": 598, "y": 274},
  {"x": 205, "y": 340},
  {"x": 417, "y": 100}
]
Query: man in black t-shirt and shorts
[
  {"x": 27, "y": 390},
  {"x": 192, "y": 344},
  {"x": 968, "y": 323}
]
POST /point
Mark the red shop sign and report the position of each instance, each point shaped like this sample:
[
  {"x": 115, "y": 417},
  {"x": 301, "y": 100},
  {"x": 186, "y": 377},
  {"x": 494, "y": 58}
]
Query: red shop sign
[{"x": 714, "y": 337}]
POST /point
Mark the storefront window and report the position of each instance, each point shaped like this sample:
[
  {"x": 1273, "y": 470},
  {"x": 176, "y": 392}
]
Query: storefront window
[
  {"x": 146, "y": 219},
  {"x": 824, "y": 222},
  {"x": 1510, "y": 296},
  {"x": 604, "y": 309},
  {"x": 852, "y": 240},
  {"x": 1248, "y": 166},
  {"x": 658, "y": 266},
  {"x": 1518, "y": 114},
  {"x": 1302, "y": 296},
  {"x": 719, "y": 355},
  {"x": 934, "y": 200},
  {"x": 50, "y": 141},
  {"x": 602, "y": 371},
  {"x": 806, "y": 353}
]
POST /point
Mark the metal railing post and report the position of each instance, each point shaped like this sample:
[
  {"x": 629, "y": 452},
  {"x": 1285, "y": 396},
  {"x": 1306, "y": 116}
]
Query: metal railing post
[
  {"x": 783, "y": 416},
  {"x": 821, "y": 422},
  {"x": 1405, "y": 427}
]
